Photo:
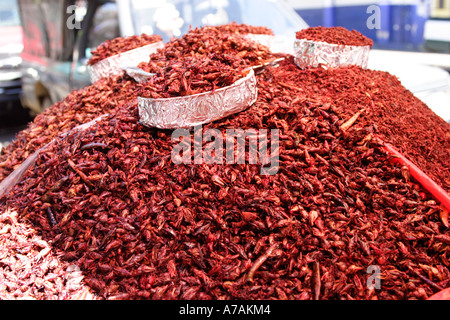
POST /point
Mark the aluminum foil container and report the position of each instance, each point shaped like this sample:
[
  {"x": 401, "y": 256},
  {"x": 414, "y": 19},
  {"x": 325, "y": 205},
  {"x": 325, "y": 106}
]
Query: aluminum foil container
[
  {"x": 115, "y": 64},
  {"x": 197, "y": 109},
  {"x": 315, "y": 53},
  {"x": 264, "y": 39}
]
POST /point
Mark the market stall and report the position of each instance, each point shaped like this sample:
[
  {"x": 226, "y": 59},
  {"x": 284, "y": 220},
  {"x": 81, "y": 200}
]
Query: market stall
[{"x": 94, "y": 178}]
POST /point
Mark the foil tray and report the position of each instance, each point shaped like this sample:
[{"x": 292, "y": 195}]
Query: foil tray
[
  {"x": 264, "y": 39},
  {"x": 197, "y": 109},
  {"x": 315, "y": 53},
  {"x": 115, "y": 64}
]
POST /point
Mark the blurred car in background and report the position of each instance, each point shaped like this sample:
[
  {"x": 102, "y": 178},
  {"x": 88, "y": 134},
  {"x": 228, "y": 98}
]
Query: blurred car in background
[
  {"x": 59, "y": 35},
  {"x": 10, "y": 49},
  {"x": 437, "y": 28}
]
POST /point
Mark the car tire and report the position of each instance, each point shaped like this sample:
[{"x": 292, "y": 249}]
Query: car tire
[{"x": 46, "y": 103}]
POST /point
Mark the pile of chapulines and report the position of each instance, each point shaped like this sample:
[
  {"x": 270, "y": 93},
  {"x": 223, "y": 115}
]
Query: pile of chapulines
[{"x": 142, "y": 227}]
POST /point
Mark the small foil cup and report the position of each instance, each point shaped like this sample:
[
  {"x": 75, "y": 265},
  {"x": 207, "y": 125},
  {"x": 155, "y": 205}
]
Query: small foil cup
[
  {"x": 138, "y": 74},
  {"x": 316, "y": 53},
  {"x": 197, "y": 109},
  {"x": 114, "y": 65},
  {"x": 264, "y": 39}
]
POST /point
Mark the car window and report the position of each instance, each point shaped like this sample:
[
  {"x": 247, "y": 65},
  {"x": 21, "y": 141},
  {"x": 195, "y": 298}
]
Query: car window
[
  {"x": 174, "y": 18},
  {"x": 105, "y": 25},
  {"x": 45, "y": 33},
  {"x": 9, "y": 13}
]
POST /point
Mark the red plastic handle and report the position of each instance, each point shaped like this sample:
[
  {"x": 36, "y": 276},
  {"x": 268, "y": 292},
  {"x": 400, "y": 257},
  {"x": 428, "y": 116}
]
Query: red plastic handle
[
  {"x": 427, "y": 183},
  {"x": 441, "y": 295},
  {"x": 433, "y": 188}
]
